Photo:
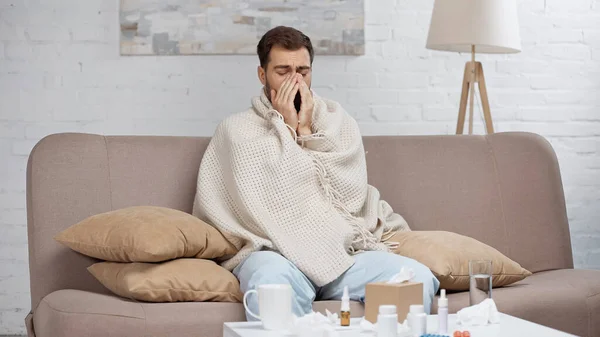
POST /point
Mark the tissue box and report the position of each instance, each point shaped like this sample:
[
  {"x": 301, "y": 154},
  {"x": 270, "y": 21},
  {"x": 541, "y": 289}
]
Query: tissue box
[{"x": 402, "y": 295}]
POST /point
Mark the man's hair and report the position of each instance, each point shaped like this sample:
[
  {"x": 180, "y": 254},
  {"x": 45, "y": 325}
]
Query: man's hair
[{"x": 286, "y": 37}]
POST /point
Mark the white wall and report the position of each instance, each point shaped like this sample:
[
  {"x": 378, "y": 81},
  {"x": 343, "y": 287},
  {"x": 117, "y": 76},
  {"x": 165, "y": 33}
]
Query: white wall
[{"x": 60, "y": 70}]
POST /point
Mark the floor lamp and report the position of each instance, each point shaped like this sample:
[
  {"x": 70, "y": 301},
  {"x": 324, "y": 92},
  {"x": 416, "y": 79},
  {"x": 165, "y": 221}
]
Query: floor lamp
[{"x": 474, "y": 26}]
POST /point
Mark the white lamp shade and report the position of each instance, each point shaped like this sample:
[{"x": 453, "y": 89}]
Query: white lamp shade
[{"x": 492, "y": 26}]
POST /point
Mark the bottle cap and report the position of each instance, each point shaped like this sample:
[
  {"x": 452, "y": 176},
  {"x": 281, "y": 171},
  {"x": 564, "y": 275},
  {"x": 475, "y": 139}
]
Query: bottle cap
[
  {"x": 417, "y": 309},
  {"x": 345, "y": 300},
  {"x": 443, "y": 300},
  {"x": 387, "y": 309}
]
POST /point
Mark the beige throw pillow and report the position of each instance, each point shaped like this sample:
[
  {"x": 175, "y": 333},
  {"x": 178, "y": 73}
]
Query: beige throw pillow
[
  {"x": 447, "y": 255},
  {"x": 145, "y": 234},
  {"x": 180, "y": 280}
]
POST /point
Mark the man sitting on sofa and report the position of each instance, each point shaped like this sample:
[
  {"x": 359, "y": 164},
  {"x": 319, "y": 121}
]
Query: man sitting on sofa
[{"x": 286, "y": 183}]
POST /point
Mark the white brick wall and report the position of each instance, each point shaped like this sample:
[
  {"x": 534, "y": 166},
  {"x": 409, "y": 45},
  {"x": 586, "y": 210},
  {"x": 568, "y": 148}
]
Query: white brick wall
[{"x": 60, "y": 70}]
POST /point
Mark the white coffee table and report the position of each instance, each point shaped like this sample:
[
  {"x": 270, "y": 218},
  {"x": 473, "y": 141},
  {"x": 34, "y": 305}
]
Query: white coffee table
[{"x": 509, "y": 326}]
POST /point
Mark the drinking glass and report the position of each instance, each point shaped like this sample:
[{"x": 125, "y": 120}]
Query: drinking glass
[{"x": 480, "y": 281}]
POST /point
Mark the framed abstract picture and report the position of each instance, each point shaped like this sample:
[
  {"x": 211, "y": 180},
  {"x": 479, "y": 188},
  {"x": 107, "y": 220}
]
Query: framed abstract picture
[{"x": 192, "y": 27}]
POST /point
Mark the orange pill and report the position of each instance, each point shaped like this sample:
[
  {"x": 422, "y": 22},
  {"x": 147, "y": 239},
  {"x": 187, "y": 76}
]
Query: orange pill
[
  {"x": 457, "y": 334},
  {"x": 466, "y": 334}
]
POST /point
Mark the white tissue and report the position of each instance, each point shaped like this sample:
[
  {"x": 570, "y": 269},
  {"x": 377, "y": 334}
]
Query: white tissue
[
  {"x": 332, "y": 317},
  {"x": 480, "y": 314},
  {"x": 404, "y": 275},
  {"x": 403, "y": 329},
  {"x": 314, "y": 324}
]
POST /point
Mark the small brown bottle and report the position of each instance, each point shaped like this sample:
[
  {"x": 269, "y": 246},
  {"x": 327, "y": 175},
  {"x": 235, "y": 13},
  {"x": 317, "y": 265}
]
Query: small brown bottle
[{"x": 345, "y": 310}]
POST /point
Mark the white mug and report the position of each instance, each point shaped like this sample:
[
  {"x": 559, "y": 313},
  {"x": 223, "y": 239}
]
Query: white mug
[{"x": 274, "y": 305}]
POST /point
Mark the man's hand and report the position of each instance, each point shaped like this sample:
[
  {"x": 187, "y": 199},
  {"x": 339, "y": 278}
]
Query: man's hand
[
  {"x": 306, "y": 110},
  {"x": 283, "y": 100}
]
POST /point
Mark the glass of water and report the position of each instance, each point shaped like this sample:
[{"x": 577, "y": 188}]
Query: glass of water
[{"x": 480, "y": 281}]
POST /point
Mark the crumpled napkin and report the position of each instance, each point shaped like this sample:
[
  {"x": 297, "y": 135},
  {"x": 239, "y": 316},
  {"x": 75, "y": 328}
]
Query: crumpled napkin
[
  {"x": 483, "y": 313},
  {"x": 314, "y": 324},
  {"x": 403, "y": 329},
  {"x": 404, "y": 275}
]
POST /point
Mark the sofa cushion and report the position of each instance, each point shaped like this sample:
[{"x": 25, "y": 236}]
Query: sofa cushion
[
  {"x": 145, "y": 234},
  {"x": 76, "y": 313},
  {"x": 71, "y": 313},
  {"x": 566, "y": 300},
  {"x": 447, "y": 255},
  {"x": 179, "y": 280}
]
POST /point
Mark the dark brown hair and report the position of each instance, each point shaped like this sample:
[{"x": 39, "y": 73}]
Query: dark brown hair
[{"x": 286, "y": 37}]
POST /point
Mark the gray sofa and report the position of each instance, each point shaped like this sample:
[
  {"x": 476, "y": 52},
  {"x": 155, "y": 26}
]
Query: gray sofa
[{"x": 503, "y": 189}]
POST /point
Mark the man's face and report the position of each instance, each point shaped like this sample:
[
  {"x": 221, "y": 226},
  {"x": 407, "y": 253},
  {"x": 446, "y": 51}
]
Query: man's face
[{"x": 281, "y": 63}]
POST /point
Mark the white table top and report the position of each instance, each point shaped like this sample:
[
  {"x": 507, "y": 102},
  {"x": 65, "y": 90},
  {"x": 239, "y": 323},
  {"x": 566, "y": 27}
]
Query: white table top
[{"x": 508, "y": 326}]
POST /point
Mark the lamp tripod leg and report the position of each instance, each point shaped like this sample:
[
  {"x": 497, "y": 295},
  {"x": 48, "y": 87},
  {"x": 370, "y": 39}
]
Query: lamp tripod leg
[
  {"x": 472, "y": 85},
  {"x": 473, "y": 75},
  {"x": 487, "y": 114},
  {"x": 462, "y": 111}
]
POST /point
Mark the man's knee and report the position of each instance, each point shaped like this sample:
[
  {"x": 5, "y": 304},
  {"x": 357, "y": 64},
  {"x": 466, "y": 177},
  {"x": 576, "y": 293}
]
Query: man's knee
[
  {"x": 422, "y": 272},
  {"x": 423, "y": 275},
  {"x": 266, "y": 267},
  {"x": 430, "y": 283}
]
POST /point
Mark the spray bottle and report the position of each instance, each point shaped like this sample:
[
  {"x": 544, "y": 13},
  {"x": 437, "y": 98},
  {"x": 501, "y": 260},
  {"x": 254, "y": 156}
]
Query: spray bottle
[
  {"x": 345, "y": 309},
  {"x": 443, "y": 313}
]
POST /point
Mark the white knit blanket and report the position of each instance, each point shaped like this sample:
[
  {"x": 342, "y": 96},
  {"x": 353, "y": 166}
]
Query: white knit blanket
[{"x": 306, "y": 198}]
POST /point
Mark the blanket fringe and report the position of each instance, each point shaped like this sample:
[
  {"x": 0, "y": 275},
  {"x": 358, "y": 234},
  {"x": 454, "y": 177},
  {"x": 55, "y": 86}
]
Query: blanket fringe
[
  {"x": 387, "y": 235},
  {"x": 333, "y": 196}
]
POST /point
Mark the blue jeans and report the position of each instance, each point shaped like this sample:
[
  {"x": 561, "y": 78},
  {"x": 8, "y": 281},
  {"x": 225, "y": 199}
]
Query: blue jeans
[{"x": 266, "y": 267}]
